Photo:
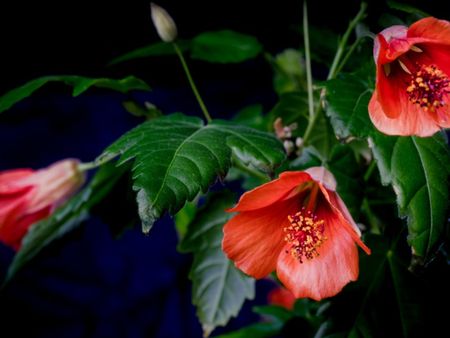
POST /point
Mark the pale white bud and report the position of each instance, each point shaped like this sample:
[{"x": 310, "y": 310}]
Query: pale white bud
[{"x": 165, "y": 26}]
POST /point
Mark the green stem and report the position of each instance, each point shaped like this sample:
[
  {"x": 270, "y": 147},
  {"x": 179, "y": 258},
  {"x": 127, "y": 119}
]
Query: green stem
[
  {"x": 192, "y": 83},
  {"x": 334, "y": 67},
  {"x": 308, "y": 61},
  {"x": 99, "y": 161},
  {"x": 347, "y": 55},
  {"x": 341, "y": 47},
  {"x": 369, "y": 171},
  {"x": 310, "y": 128}
]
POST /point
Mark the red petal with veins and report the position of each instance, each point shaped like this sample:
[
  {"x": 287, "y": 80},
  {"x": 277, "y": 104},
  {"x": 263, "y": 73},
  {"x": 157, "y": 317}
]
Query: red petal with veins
[
  {"x": 323, "y": 276},
  {"x": 254, "y": 239},
  {"x": 271, "y": 192},
  {"x": 411, "y": 120}
]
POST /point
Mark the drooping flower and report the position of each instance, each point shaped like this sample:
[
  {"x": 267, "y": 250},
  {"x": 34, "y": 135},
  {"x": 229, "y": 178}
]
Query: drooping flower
[
  {"x": 282, "y": 297},
  {"x": 413, "y": 79},
  {"x": 27, "y": 196},
  {"x": 300, "y": 227}
]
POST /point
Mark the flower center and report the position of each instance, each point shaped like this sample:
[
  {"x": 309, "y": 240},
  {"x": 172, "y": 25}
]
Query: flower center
[
  {"x": 305, "y": 234},
  {"x": 427, "y": 88}
]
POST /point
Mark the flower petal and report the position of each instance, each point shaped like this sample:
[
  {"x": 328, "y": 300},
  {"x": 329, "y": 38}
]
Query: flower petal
[
  {"x": 254, "y": 239},
  {"x": 282, "y": 297},
  {"x": 438, "y": 55},
  {"x": 341, "y": 211},
  {"x": 431, "y": 29},
  {"x": 390, "y": 44},
  {"x": 271, "y": 192},
  {"x": 12, "y": 234},
  {"x": 10, "y": 180},
  {"x": 411, "y": 120},
  {"x": 391, "y": 90},
  {"x": 323, "y": 276},
  {"x": 322, "y": 176}
]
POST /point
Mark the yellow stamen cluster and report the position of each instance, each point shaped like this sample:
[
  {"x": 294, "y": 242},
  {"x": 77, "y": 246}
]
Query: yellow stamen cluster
[
  {"x": 305, "y": 234},
  {"x": 427, "y": 88}
]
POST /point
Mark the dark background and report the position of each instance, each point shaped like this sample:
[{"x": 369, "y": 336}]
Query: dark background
[{"x": 90, "y": 283}]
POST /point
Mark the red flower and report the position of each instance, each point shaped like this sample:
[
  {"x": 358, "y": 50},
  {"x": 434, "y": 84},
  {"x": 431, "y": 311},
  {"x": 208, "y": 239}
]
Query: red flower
[
  {"x": 413, "y": 79},
  {"x": 282, "y": 297},
  {"x": 27, "y": 196},
  {"x": 299, "y": 226}
]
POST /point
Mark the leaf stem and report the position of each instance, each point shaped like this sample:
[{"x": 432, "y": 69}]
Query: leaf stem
[
  {"x": 308, "y": 61},
  {"x": 192, "y": 83},
  {"x": 99, "y": 161},
  {"x": 341, "y": 47}
]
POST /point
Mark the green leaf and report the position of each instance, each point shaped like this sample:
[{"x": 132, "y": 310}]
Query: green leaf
[
  {"x": 322, "y": 139},
  {"x": 289, "y": 71},
  {"x": 184, "y": 217},
  {"x": 225, "y": 46},
  {"x": 348, "y": 175},
  {"x": 156, "y": 49},
  {"x": 407, "y": 8},
  {"x": 418, "y": 169},
  {"x": 80, "y": 84},
  {"x": 218, "y": 288},
  {"x": 251, "y": 116},
  {"x": 258, "y": 330},
  {"x": 291, "y": 107},
  {"x": 347, "y": 101},
  {"x": 390, "y": 299},
  {"x": 176, "y": 157},
  {"x": 66, "y": 218}
]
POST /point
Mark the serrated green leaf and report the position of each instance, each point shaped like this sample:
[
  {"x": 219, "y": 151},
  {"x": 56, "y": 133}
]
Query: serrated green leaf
[
  {"x": 224, "y": 46},
  {"x": 80, "y": 84},
  {"x": 156, "y": 49},
  {"x": 418, "y": 169},
  {"x": 65, "y": 218},
  {"x": 347, "y": 101},
  {"x": 176, "y": 157},
  {"x": 218, "y": 288}
]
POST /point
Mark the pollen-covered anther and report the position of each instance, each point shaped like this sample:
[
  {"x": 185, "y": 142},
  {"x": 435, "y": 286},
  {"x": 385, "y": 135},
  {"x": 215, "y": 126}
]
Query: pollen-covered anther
[
  {"x": 305, "y": 234},
  {"x": 428, "y": 87}
]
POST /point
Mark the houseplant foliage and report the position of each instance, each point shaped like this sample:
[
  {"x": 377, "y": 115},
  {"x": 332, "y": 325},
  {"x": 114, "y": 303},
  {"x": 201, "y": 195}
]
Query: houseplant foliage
[{"x": 321, "y": 174}]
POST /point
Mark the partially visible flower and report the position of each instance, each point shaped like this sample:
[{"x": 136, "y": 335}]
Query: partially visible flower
[
  {"x": 165, "y": 26},
  {"x": 27, "y": 196},
  {"x": 300, "y": 227},
  {"x": 413, "y": 79},
  {"x": 282, "y": 297}
]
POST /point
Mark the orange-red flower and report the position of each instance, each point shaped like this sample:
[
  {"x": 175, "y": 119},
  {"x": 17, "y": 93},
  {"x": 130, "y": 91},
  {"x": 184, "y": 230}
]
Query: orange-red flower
[
  {"x": 282, "y": 297},
  {"x": 413, "y": 79},
  {"x": 298, "y": 226},
  {"x": 27, "y": 196}
]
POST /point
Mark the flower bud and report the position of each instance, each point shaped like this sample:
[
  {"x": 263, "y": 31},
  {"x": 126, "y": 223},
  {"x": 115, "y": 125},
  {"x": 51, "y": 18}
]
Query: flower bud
[
  {"x": 28, "y": 196},
  {"x": 165, "y": 26}
]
